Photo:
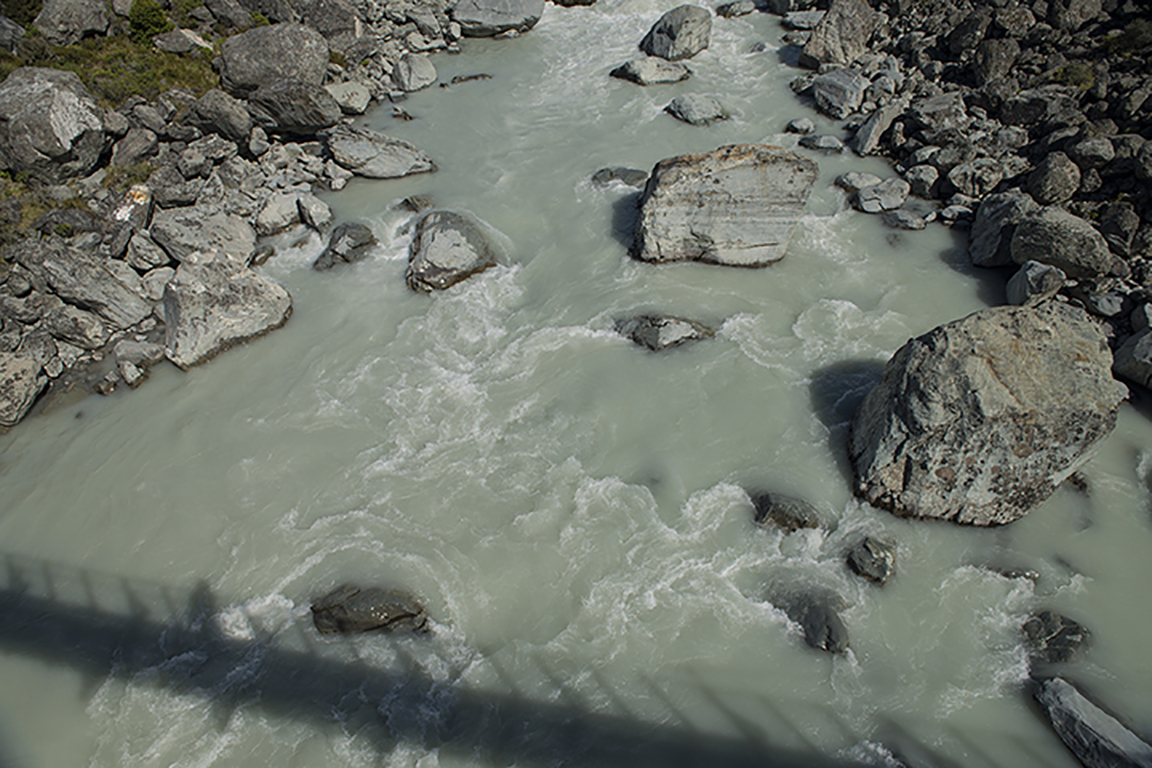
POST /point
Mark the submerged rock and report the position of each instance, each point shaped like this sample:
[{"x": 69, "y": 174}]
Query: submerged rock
[
  {"x": 448, "y": 247},
  {"x": 631, "y": 177},
  {"x": 681, "y": 33},
  {"x": 214, "y": 303},
  {"x": 1053, "y": 638},
  {"x": 818, "y": 615},
  {"x": 649, "y": 71},
  {"x": 349, "y": 243},
  {"x": 1094, "y": 736},
  {"x": 784, "y": 512},
  {"x": 981, "y": 419},
  {"x": 736, "y": 205},
  {"x": 349, "y": 608},
  {"x": 660, "y": 332},
  {"x": 873, "y": 559}
]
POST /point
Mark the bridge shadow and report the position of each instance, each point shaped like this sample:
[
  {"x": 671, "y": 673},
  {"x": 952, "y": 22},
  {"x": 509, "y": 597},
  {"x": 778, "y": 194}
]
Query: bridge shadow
[{"x": 401, "y": 703}]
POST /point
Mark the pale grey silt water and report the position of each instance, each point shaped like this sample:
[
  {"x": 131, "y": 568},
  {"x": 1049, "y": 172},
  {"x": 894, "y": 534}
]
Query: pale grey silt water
[{"x": 570, "y": 506}]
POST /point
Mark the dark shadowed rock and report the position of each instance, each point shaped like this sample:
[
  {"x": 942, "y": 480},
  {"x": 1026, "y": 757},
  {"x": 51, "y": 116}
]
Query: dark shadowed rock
[
  {"x": 736, "y": 205},
  {"x": 1034, "y": 282},
  {"x": 50, "y": 126},
  {"x": 842, "y": 35},
  {"x": 448, "y": 247},
  {"x": 679, "y": 34},
  {"x": 214, "y": 303},
  {"x": 217, "y": 112},
  {"x": 873, "y": 559},
  {"x": 651, "y": 70},
  {"x": 990, "y": 241},
  {"x": 818, "y": 616},
  {"x": 349, "y": 608},
  {"x": 994, "y": 59},
  {"x": 294, "y": 107},
  {"x": 1094, "y": 736},
  {"x": 272, "y": 55},
  {"x": 785, "y": 512},
  {"x": 1053, "y": 638},
  {"x": 632, "y": 177},
  {"x": 660, "y": 332},
  {"x": 349, "y": 243},
  {"x": 1054, "y": 236},
  {"x": 376, "y": 156},
  {"x": 1055, "y": 180},
  {"x": 981, "y": 419},
  {"x": 1134, "y": 358},
  {"x": 487, "y": 18}
]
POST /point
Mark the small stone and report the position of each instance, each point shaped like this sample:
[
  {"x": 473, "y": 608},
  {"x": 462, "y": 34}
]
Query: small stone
[
  {"x": 902, "y": 219},
  {"x": 873, "y": 559},
  {"x": 823, "y": 143},
  {"x": 695, "y": 109},
  {"x": 854, "y": 181},
  {"x": 784, "y": 512},
  {"x": 802, "y": 126},
  {"x": 631, "y": 177}
]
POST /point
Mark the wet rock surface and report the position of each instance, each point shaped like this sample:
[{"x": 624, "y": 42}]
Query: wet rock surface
[
  {"x": 448, "y": 247},
  {"x": 661, "y": 332},
  {"x": 350, "y": 609},
  {"x": 785, "y": 512}
]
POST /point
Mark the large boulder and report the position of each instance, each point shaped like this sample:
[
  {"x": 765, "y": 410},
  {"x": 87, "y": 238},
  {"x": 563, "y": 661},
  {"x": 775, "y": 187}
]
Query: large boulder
[
  {"x": 1070, "y": 243},
  {"x": 93, "y": 283},
  {"x": 1094, "y": 735},
  {"x": 182, "y": 232},
  {"x": 349, "y": 608},
  {"x": 214, "y": 303},
  {"x": 448, "y": 247},
  {"x": 486, "y": 18},
  {"x": 679, "y": 34},
  {"x": 413, "y": 72},
  {"x": 736, "y": 205},
  {"x": 990, "y": 240},
  {"x": 50, "y": 126},
  {"x": 367, "y": 153},
  {"x": 981, "y": 419},
  {"x": 294, "y": 107},
  {"x": 64, "y": 22},
  {"x": 271, "y": 55},
  {"x": 839, "y": 93},
  {"x": 842, "y": 35},
  {"x": 20, "y": 383},
  {"x": 217, "y": 112}
]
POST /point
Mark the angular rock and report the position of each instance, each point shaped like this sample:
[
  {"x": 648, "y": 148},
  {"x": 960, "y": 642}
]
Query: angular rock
[
  {"x": 413, "y": 72},
  {"x": 1134, "y": 359},
  {"x": 488, "y": 18},
  {"x": 842, "y": 36},
  {"x": 823, "y": 143},
  {"x": 695, "y": 109},
  {"x": 632, "y": 177},
  {"x": 352, "y": 96},
  {"x": 806, "y": 20},
  {"x": 941, "y": 114},
  {"x": 818, "y": 616},
  {"x": 294, "y": 107},
  {"x": 139, "y": 353},
  {"x": 272, "y": 55},
  {"x": 922, "y": 180},
  {"x": 170, "y": 188},
  {"x": 873, "y": 559},
  {"x": 839, "y": 93},
  {"x": 280, "y": 212},
  {"x": 91, "y": 283},
  {"x": 1054, "y": 236},
  {"x": 217, "y": 112},
  {"x": 65, "y": 22},
  {"x": 314, "y": 212},
  {"x": 144, "y": 254},
  {"x": 155, "y": 281},
  {"x": 1034, "y": 282},
  {"x": 1072, "y": 14},
  {"x": 650, "y": 70},
  {"x": 661, "y": 332},
  {"x": 888, "y": 195},
  {"x": 980, "y": 420},
  {"x": 77, "y": 327},
  {"x": 20, "y": 383},
  {"x": 138, "y": 145},
  {"x": 376, "y": 156},
  {"x": 1053, "y": 638},
  {"x": 990, "y": 240},
  {"x": 349, "y": 608},
  {"x": 182, "y": 232},
  {"x": 10, "y": 33},
  {"x": 1055, "y": 180},
  {"x": 1094, "y": 736},
  {"x": 738, "y": 8},
  {"x": 50, "y": 126},
  {"x": 976, "y": 178},
  {"x": 854, "y": 181},
  {"x": 215, "y": 303},
  {"x": 349, "y": 243},
  {"x": 736, "y": 205},
  {"x": 994, "y": 59},
  {"x": 180, "y": 41},
  {"x": 1092, "y": 153},
  {"x": 448, "y": 247},
  {"x": 867, "y": 138},
  {"x": 679, "y": 34},
  {"x": 785, "y": 512},
  {"x": 331, "y": 18},
  {"x": 903, "y": 219},
  {"x": 801, "y": 125},
  {"x": 135, "y": 208}
]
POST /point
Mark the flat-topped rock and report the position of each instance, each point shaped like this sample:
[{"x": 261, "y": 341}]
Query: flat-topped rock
[
  {"x": 272, "y": 55},
  {"x": 981, "y": 419},
  {"x": 487, "y": 18},
  {"x": 736, "y": 205},
  {"x": 20, "y": 383},
  {"x": 650, "y": 71},
  {"x": 367, "y": 153},
  {"x": 696, "y": 109},
  {"x": 448, "y": 247}
]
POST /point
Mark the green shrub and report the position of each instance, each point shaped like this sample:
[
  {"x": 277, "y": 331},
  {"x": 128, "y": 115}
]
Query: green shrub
[
  {"x": 120, "y": 177},
  {"x": 1078, "y": 73},
  {"x": 23, "y": 12},
  {"x": 258, "y": 19},
  {"x": 337, "y": 58},
  {"x": 1136, "y": 36},
  {"x": 147, "y": 19}
]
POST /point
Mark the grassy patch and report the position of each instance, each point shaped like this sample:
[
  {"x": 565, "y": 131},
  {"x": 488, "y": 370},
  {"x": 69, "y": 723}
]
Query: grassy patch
[
  {"x": 146, "y": 19},
  {"x": 1135, "y": 37},
  {"x": 23, "y": 12},
  {"x": 114, "y": 68},
  {"x": 120, "y": 177},
  {"x": 1077, "y": 73}
]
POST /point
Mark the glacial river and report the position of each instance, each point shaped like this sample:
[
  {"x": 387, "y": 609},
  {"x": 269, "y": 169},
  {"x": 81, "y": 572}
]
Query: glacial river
[{"x": 571, "y": 507}]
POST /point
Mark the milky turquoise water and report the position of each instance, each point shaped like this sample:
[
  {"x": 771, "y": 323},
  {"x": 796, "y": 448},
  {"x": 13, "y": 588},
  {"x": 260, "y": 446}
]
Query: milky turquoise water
[{"x": 570, "y": 507}]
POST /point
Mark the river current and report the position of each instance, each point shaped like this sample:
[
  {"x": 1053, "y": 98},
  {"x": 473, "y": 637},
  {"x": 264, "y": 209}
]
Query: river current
[{"x": 571, "y": 507}]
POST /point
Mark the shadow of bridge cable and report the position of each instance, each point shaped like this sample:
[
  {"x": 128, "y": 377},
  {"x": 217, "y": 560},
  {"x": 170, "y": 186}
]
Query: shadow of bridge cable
[{"x": 189, "y": 655}]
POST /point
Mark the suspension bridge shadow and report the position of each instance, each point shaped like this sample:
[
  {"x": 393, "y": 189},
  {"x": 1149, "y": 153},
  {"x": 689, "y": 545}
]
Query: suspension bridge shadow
[{"x": 103, "y": 625}]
